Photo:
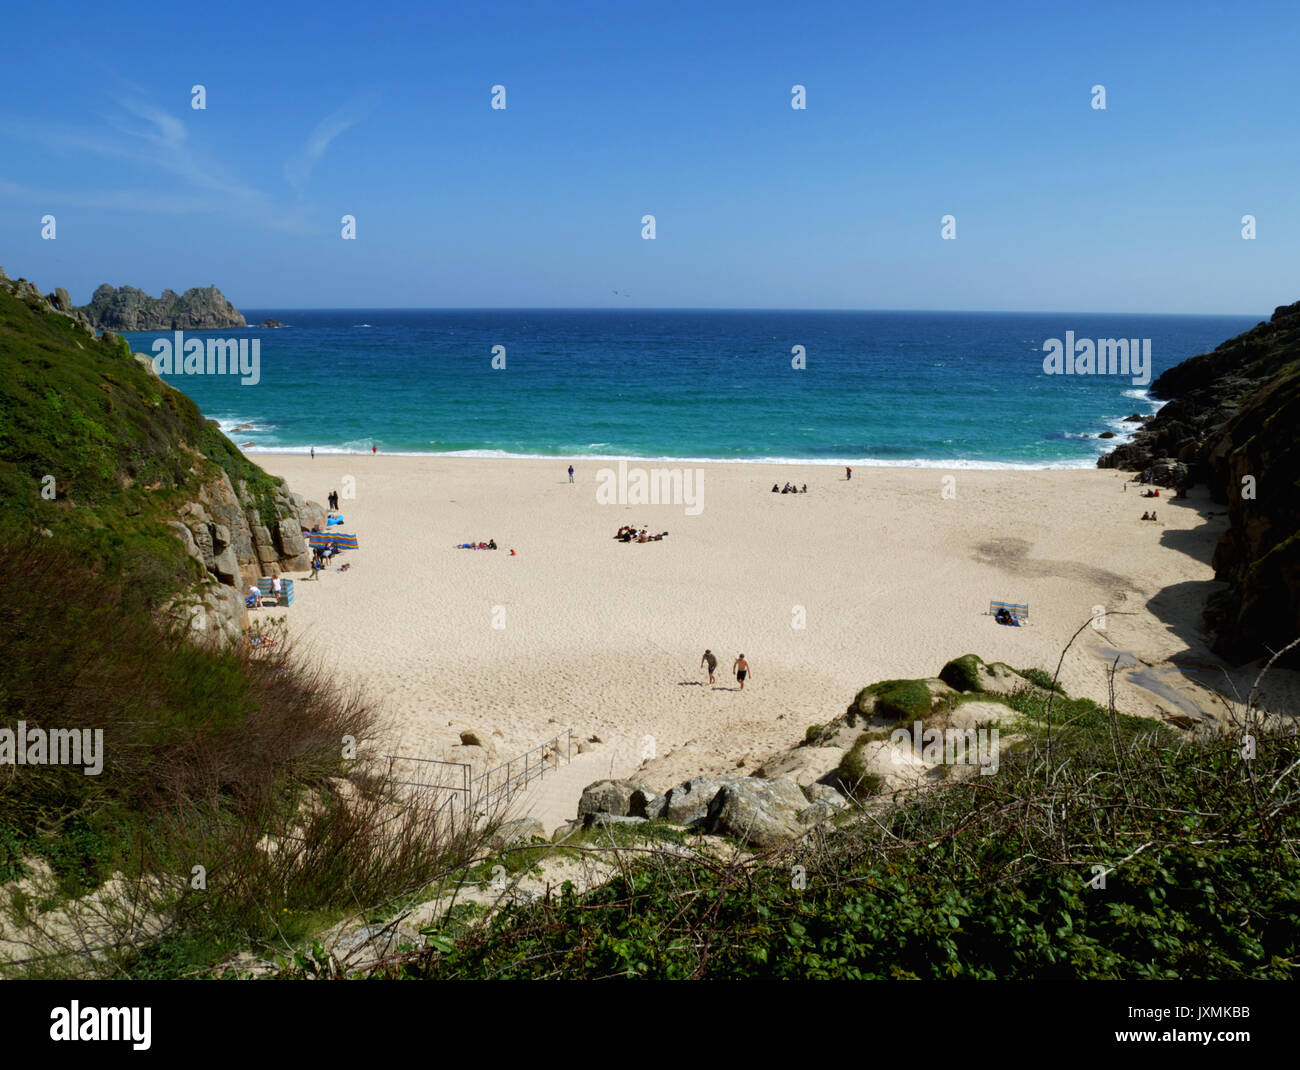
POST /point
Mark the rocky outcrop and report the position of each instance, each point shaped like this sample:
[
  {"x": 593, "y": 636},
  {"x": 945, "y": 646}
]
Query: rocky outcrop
[
  {"x": 222, "y": 531},
  {"x": 1231, "y": 424},
  {"x": 272, "y": 323},
  {"x": 129, "y": 309},
  {"x": 58, "y": 301},
  {"x": 760, "y": 812}
]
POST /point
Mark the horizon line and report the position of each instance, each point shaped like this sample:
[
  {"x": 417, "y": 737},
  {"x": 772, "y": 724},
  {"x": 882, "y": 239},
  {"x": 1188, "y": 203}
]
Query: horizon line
[{"x": 711, "y": 308}]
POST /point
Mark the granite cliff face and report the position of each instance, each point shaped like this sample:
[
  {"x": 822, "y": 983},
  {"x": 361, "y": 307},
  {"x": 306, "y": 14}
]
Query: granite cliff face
[
  {"x": 1232, "y": 424},
  {"x": 129, "y": 309},
  {"x": 223, "y": 530}
]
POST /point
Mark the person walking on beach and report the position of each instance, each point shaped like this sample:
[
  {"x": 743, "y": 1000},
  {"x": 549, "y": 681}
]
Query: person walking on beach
[
  {"x": 313, "y": 453},
  {"x": 570, "y": 473},
  {"x": 711, "y": 662},
  {"x": 276, "y": 588},
  {"x": 741, "y": 669},
  {"x": 374, "y": 450},
  {"x": 848, "y": 472}
]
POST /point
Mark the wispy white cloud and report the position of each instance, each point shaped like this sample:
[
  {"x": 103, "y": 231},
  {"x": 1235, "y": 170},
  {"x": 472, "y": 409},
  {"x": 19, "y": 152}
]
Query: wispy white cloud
[
  {"x": 125, "y": 200},
  {"x": 159, "y": 141},
  {"x": 298, "y": 169}
]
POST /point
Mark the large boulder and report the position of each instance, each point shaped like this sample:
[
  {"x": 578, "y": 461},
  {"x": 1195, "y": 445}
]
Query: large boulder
[
  {"x": 524, "y": 828},
  {"x": 688, "y": 803},
  {"x": 607, "y": 797},
  {"x": 760, "y": 813},
  {"x": 645, "y": 803}
]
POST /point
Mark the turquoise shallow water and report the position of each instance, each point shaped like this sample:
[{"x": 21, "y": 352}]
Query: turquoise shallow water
[{"x": 879, "y": 387}]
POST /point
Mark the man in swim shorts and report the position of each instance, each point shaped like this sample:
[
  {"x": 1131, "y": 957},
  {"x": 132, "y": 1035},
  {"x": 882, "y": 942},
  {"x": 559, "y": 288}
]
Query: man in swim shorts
[{"x": 741, "y": 669}]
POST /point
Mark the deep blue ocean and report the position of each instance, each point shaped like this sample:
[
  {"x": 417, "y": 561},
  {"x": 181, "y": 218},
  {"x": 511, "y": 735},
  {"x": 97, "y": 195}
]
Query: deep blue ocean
[{"x": 914, "y": 388}]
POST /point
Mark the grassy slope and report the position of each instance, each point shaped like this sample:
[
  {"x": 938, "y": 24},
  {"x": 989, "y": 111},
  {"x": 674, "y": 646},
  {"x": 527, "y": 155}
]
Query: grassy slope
[
  {"x": 124, "y": 449},
  {"x": 206, "y": 751}
]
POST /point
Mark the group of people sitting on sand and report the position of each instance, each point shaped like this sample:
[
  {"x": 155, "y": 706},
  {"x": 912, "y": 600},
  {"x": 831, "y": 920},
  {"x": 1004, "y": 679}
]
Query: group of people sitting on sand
[
  {"x": 1149, "y": 516},
  {"x": 1005, "y": 616},
  {"x": 1151, "y": 494},
  {"x": 790, "y": 488},
  {"x": 491, "y": 544},
  {"x": 634, "y": 534}
]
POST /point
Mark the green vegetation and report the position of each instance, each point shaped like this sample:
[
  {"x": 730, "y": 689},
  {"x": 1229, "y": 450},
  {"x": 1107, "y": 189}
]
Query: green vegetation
[
  {"x": 987, "y": 877},
  {"x": 1040, "y": 678},
  {"x": 963, "y": 673},
  {"x": 227, "y": 759},
  {"x": 119, "y": 450},
  {"x": 856, "y": 781},
  {"x": 901, "y": 700}
]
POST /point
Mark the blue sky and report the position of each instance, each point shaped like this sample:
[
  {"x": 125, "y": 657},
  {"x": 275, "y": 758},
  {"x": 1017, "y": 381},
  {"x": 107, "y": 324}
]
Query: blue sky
[{"x": 914, "y": 111}]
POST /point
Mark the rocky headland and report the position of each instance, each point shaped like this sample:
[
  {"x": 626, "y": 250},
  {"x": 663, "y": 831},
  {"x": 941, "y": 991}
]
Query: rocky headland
[
  {"x": 1230, "y": 423},
  {"x": 129, "y": 309}
]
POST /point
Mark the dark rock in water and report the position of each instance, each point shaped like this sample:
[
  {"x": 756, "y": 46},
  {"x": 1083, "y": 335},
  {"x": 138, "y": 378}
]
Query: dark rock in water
[
  {"x": 1107, "y": 434},
  {"x": 1231, "y": 424},
  {"x": 129, "y": 309},
  {"x": 1134, "y": 419},
  {"x": 272, "y": 323}
]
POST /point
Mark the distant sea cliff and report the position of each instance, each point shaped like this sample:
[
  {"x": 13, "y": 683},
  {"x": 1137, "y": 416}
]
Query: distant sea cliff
[{"x": 129, "y": 309}]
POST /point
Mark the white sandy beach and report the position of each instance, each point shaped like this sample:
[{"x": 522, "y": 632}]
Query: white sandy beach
[{"x": 893, "y": 578}]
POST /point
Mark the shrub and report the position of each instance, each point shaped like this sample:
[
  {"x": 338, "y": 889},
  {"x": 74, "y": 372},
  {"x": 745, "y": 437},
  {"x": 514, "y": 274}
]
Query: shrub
[{"x": 1041, "y": 679}]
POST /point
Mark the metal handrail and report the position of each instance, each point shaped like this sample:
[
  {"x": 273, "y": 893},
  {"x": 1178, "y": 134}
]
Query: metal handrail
[{"x": 473, "y": 800}]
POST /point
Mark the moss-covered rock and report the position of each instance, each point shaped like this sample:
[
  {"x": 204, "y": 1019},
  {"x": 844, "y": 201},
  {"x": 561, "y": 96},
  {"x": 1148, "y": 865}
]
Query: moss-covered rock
[
  {"x": 963, "y": 673},
  {"x": 854, "y": 776},
  {"x": 902, "y": 700}
]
